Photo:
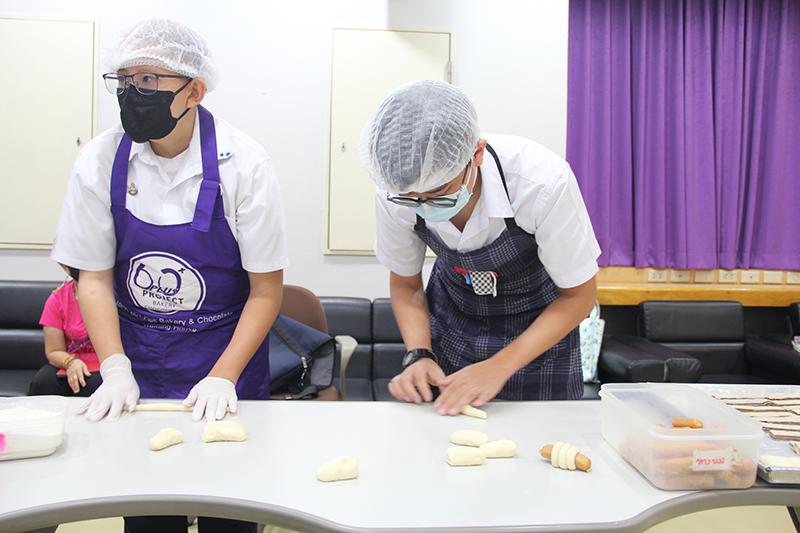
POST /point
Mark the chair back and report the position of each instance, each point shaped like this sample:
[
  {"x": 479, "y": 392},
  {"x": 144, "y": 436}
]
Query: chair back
[
  {"x": 303, "y": 305},
  {"x": 711, "y": 331}
]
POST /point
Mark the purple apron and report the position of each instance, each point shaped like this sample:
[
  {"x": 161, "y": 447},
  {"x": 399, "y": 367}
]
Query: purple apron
[
  {"x": 181, "y": 288},
  {"x": 467, "y": 327}
]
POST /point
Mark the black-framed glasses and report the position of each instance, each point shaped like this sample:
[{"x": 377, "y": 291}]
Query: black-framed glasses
[
  {"x": 447, "y": 200},
  {"x": 145, "y": 82}
]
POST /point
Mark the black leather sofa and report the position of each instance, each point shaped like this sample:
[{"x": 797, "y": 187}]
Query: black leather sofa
[
  {"x": 380, "y": 351},
  {"x": 696, "y": 341},
  {"x": 21, "y": 337},
  {"x": 662, "y": 350}
]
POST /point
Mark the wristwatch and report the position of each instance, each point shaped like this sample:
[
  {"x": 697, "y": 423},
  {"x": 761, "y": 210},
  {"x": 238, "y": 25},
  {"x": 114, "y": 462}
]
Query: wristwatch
[{"x": 412, "y": 356}]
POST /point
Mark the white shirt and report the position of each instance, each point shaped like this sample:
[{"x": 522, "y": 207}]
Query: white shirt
[
  {"x": 85, "y": 236},
  {"x": 544, "y": 200}
]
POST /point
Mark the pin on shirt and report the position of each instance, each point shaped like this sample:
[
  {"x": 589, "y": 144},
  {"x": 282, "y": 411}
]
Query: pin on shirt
[{"x": 132, "y": 189}]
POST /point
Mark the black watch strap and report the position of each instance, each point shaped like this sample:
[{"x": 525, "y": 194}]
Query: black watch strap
[{"x": 412, "y": 356}]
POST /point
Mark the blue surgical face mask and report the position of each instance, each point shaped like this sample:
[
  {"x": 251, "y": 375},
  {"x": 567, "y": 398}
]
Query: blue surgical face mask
[{"x": 441, "y": 214}]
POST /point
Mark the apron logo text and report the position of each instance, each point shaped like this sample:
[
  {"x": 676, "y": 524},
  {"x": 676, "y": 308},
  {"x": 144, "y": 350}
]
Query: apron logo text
[{"x": 164, "y": 283}]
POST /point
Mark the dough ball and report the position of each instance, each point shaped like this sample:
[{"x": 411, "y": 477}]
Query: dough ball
[
  {"x": 165, "y": 438},
  {"x": 338, "y": 469},
  {"x": 499, "y": 448},
  {"x": 469, "y": 437},
  {"x": 464, "y": 456},
  {"x": 224, "y": 430},
  {"x": 473, "y": 412}
]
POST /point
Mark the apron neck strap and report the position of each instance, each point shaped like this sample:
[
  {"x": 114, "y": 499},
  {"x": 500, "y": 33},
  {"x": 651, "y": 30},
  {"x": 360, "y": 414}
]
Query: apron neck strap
[
  {"x": 209, "y": 188},
  {"x": 510, "y": 222},
  {"x": 119, "y": 186}
]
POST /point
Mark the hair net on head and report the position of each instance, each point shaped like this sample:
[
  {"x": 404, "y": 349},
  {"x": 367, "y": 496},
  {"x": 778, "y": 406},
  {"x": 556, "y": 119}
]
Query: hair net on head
[
  {"x": 420, "y": 137},
  {"x": 163, "y": 43}
]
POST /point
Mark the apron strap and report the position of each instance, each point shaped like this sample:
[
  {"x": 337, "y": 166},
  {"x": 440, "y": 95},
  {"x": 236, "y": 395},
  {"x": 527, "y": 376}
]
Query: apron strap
[
  {"x": 510, "y": 222},
  {"x": 119, "y": 172},
  {"x": 209, "y": 188}
]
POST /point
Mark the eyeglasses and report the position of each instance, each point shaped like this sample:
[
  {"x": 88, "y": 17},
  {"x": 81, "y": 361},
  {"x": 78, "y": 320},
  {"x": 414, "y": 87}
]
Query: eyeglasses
[
  {"x": 145, "y": 82},
  {"x": 448, "y": 200}
]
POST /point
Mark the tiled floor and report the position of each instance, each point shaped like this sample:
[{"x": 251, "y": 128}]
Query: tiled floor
[{"x": 755, "y": 519}]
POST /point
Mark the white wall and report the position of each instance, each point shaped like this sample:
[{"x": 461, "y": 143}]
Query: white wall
[{"x": 511, "y": 59}]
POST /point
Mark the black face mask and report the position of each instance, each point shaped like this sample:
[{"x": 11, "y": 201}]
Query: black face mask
[{"x": 148, "y": 117}]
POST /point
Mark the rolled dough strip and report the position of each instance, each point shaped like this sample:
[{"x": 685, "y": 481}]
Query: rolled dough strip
[
  {"x": 338, "y": 469},
  {"x": 162, "y": 407},
  {"x": 473, "y": 412},
  {"x": 469, "y": 437},
  {"x": 170, "y": 407},
  {"x": 465, "y": 456},
  {"x": 499, "y": 448},
  {"x": 224, "y": 430},
  {"x": 165, "y": 438}
]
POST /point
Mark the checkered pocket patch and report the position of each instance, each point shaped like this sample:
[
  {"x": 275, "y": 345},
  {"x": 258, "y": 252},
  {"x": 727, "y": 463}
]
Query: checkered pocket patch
[{"x": 484, "y": 283}]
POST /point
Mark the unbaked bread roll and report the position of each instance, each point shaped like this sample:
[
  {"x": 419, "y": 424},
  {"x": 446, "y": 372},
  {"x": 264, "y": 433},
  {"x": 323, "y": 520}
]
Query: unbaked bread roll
[
  {"x": 469, "y": 437},
  {"x": 468, "y": 410},
  {"x": 499, "y": 448},
  {"x": 165, "y": 438},
  {"x": 224, "y": 430},
  {"x": 465, "y": 456},
  {"x": 338, "y": 469}
]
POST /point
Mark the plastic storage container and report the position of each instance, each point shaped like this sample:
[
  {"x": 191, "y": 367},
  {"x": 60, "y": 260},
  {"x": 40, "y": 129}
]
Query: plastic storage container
[
  {"x": 31, "y": 426},
  {"x": 723, "y": 454}
]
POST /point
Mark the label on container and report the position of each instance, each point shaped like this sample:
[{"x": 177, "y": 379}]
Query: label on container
[{"x": 703, "y": 460}]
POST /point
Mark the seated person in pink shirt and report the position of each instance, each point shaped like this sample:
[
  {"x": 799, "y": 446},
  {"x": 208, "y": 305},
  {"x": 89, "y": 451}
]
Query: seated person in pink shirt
[{"x": 67, "y": 346}]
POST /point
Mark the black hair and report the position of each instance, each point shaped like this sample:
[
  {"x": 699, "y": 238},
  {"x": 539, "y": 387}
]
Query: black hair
[{"x": 73, "y": 272}]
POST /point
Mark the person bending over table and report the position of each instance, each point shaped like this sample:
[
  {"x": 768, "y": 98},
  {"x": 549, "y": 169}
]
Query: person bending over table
[
  {"x": 175, "y": 221},
  {"x": 516, "y": 253}
]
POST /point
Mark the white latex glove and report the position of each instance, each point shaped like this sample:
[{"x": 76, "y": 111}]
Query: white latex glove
[
  {"x": 212, "y": 396},
  {"x": 119, "y": 389}
]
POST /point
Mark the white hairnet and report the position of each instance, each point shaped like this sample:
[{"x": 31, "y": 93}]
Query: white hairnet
[
  {"x": 163, "y": 43},
  {"x": 422, "y": 134}
]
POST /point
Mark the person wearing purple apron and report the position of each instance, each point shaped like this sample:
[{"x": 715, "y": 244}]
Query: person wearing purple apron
[
  {"x": 516, "y": 255},
  {"x": 177, "y": 229}
]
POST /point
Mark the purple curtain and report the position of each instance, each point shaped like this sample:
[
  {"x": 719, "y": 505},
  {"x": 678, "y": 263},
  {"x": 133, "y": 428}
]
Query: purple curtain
[{"x": 683, "y": 130}]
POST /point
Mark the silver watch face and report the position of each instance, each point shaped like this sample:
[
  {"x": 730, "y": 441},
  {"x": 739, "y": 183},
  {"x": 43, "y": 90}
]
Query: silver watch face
[{"x": 409, "y": 358}]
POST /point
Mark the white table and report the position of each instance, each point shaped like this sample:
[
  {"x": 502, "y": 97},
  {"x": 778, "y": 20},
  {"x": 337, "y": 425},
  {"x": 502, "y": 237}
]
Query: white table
[{"x": 107, "y": 469}]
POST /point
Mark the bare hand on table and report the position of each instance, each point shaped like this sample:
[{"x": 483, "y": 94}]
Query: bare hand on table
[
  {"x": 475, "y": 384},
  {"x": 414, "y": 384},
  {"x": 77, "y": 372}
]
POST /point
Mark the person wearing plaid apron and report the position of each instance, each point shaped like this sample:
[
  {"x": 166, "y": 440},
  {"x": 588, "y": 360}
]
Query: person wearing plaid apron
[{"x": 516, "y": 253}]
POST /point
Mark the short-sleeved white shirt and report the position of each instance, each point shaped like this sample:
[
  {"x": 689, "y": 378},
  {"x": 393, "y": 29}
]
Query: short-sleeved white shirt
[
  {"x": 543, "y": 198},
  {"x": 85, "y": 238}
]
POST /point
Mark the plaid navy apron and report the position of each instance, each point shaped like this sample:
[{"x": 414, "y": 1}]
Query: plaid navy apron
[{"x": 467, "y": 327}]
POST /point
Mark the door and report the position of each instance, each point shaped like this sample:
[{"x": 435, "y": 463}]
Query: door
[
  {"x": 47, "y": 110},
  {"x": 366, "y": 66}
]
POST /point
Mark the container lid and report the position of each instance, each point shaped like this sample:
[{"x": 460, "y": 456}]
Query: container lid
[{"x": 651, "y": 403}]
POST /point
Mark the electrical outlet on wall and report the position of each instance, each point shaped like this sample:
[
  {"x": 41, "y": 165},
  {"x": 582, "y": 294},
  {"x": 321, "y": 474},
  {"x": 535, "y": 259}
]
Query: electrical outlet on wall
[
  {"x": 751, "y": 276},
  {"x": 704, "y": 276},
  {"x": 680, "y": 276},
  {"x": 727, "y": 276},
  {"x": 773, "y": 277},
  {"x": 658, "y": 276},
  {"x": 793, "y": 278}
]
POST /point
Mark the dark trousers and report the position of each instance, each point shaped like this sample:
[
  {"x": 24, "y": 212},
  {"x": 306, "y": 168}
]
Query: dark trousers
[
  {"x": 47, "y": 382},
  {"x": 179, "y": 524}
]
